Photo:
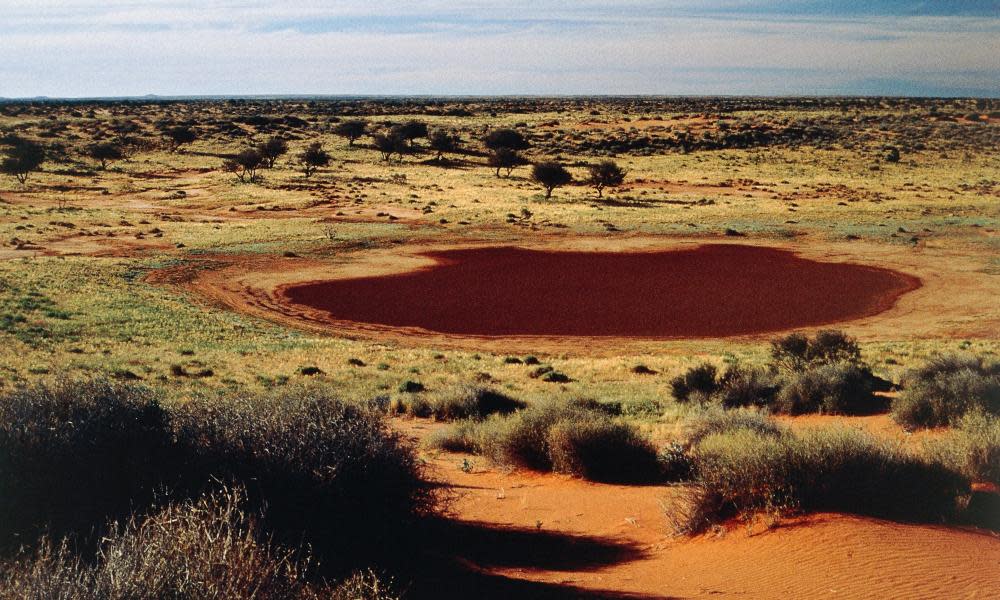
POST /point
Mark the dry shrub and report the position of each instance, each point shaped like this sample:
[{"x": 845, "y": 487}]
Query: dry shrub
[
  {"x": 742, "y": 472},
  {"x": 207, "y": 549},
  {"x": 580, "y": 438},
  {"x": 946, "y": 388},
  {"x": 842, "y": 388}
]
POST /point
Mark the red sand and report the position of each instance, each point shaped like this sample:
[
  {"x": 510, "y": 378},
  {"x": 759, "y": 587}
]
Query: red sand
[{"x": 710, "y": 291}]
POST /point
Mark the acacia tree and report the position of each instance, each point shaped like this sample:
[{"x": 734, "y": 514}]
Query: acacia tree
[
  {"x": 105, "y": 152},
  {"x": 389, "y": 143},
  {"x": 505, "y": 158},
  {"x": 550, "y": 175},
  {"x": 442, "y": 141},
  {"x": 505, "y": 138},
  {"x": 178, "y": 136},
  {"x": 271, "y": 150},
  {"x": 313, "y": 157},
  {"x": 606, "y": 173},
  {"x": 352, "y": 130},
  {"x": 245, "y": 165},
  {"x": 23, "y": 158}
]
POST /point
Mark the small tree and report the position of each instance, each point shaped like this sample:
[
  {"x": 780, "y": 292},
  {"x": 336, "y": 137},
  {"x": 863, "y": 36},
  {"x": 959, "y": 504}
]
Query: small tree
[
  {"x": 442, "y": 141},
  {"x": 550, "y": 175},
  {"x": 389, "y": 143},
  {"x": 23, "y": 158},
  {"x": 245, "y": 165},
  {"x": 178, "y": 136},
  {"x": 505, "y": 138},
  {"x": 505, "y": 158},
  {"x": 313, "y": 157},
  {"x": 351, "y": 130},
  {"x": 604, "y": 174},
  {"x": 105, "y": 152},
  {"x": 411, "y": 130},
  {"x": 271, "y": 150}
]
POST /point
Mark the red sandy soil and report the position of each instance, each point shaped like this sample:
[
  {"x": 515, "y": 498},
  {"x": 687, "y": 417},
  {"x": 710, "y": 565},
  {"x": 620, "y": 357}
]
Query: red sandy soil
[
  {"x": 535, "y": 535},
  {"x": 711, "y": 291}
]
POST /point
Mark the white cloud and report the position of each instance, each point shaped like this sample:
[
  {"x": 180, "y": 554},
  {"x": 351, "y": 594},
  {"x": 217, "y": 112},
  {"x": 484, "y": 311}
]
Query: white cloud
[{"x": 122, "y": 47}]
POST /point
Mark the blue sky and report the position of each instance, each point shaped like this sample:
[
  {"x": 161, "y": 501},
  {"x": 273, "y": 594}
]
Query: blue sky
[{"x": 180, "y": 47}]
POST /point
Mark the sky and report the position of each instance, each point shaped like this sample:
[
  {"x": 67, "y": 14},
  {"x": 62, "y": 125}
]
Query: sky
[{"x": 90, "y": 48}]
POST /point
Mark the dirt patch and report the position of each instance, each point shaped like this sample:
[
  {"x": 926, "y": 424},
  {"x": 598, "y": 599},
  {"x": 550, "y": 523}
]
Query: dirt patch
[
  {"x": 957, "y": 300},
  {"x": 715, "y": 290}
]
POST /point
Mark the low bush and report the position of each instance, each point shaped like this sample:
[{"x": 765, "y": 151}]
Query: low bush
[
  {"x": 578, "y": 438},
  {"x": 473, "y": 402},
  {"x": 797, "y": 351},
  {"x": 842, "y": 388},
  {"x": 73, "y": 456},
  {"x": 738, "y": 386},
  {"x": 973, "y": 448},
  {"x": 741, "y": 472},
  {"x": 209, "y": 548},
  {"x": 947, "y": 388},
  {"x": 332, "y": 475}
]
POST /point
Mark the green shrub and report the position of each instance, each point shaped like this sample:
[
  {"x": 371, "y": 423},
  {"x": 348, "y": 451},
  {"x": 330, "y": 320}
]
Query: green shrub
[
  {"x": 741, "y": 473},
  {"x": 973, "y": 448},
  {"x": 699, "y": 379},
  {"x": 842, "y": 388},
  {"x": 727, "y": 421},
  {"x": 738, "y": 386},
  {"x": 796, "y": 351},
  {"x": 945, "y": 389},
  {"x": 473, "y": 402},
  {"x": 210, "y": 548},
  {"x": 601, "y": 449},
  {"x": 580, "y": 438}
]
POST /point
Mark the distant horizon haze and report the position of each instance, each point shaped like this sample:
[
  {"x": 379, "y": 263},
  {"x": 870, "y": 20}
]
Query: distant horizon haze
[{"x": 72, "y": 49}]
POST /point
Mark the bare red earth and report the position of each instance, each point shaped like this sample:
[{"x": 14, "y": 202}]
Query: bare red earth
[{"x": 714, "y": 290}]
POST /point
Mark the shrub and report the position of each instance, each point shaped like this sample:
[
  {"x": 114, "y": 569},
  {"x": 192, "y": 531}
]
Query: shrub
[
  {"x": 838, "y": 389},
  {"x": 745, "y": 386},
  {"x": 331, "y": 474},
  {"x": 572, "y": 438},
  {"x": 474, "y": 402},
  {"x": 700, "y": 379},
  {"x": 727, "y": 421},
  {"x": 973, "y": 448},
  {"x": 741, "y": 473},
  {"x": 210, "y": 548},
  {"x": 601, "y": 449},
  {"x": 74, "y": 455},
  {"x": 738, "y": 387},
  {"x": 946, "y": 388},
  {"x": 796, "y": 351}
]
